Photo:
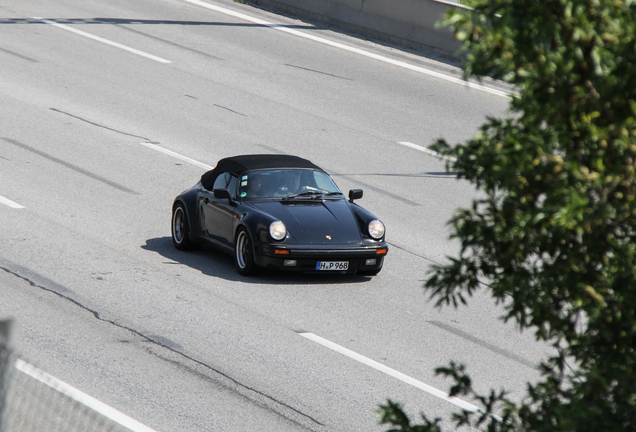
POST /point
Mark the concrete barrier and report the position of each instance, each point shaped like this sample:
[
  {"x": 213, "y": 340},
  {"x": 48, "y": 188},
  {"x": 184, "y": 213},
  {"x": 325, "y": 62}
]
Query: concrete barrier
[{"x": 405, "y": 22}]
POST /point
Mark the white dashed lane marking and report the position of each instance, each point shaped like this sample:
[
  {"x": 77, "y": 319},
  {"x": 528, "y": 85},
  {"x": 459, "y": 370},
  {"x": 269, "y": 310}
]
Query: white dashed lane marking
[
  {"x": 391, "y": 372},
  {"x": 177, "y": 156},
  {"x": 10, "y": 203},
  {"x": 425, "y": 150},
  {"x": 82, "y": 398},
  {"x": 355, "y": 50},
  {"x": 102, "y": 40}
]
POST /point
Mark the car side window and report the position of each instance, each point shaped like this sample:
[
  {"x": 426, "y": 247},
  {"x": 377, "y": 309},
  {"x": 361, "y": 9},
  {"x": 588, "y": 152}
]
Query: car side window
[{"x": 226, "y": 181}]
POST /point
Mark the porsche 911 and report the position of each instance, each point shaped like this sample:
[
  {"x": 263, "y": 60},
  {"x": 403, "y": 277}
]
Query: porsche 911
[{"x": 280, "y": 212}]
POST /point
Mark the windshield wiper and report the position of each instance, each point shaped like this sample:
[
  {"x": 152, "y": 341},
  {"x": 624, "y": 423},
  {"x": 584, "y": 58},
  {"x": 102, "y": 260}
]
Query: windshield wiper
[
  {"x": 314, "y": 195},
  {"x": 306, "y": 193},
  {"x": 332, "y": 194}
]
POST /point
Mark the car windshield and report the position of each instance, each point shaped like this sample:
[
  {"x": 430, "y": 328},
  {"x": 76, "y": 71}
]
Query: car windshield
[{"x": 287, "y": 184}]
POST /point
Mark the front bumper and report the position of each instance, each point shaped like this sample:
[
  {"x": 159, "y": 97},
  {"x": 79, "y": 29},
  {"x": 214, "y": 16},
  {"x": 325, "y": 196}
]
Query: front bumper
[{"x": 367, "y": 258}]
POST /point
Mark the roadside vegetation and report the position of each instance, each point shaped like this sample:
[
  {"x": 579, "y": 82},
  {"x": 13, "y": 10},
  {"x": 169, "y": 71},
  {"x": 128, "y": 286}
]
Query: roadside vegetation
[{"x": 554, "y": 239}]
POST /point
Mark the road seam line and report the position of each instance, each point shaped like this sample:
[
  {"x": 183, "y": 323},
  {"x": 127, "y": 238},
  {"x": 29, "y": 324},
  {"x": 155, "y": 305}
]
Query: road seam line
[{"x": 208, "y": 167}]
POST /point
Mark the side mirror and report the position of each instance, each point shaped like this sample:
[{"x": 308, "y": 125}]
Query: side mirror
[
  {"x": 355, "y": 194},
  {"x": 224, "y": 194},
  {"x": 221, "y": 194}
]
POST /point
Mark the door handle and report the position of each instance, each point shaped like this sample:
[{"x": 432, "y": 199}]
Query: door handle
[{"x": 207, "y": 201}]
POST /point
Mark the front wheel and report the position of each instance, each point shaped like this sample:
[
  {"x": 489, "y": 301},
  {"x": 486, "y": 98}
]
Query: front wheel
[
  {"x": 244, "y": 254},
  {"x": 373, "y": 272},
  {"x": 181, "y": 229}
]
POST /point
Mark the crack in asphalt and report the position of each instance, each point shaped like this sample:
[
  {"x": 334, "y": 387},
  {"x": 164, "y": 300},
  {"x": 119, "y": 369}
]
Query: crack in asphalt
[
  {"x": 230, "y": 110},
  {"x": 205, "y": 377},
  {"x": 414, "y": 253},
  {"x": 97, "y": 124},
  {"x": 376, "y": 189},
  {"x": 29, "y": 59},
  {"x": 141, "y": 335},
  {"x": 69, "y": 165},
  {"x": 427, "y": 259},
  {"x": 503, "y": 352},
  {"x": 317, "y": 71}
]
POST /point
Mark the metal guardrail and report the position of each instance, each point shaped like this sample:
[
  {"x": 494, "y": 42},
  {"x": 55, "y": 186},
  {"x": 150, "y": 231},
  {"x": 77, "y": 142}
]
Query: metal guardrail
[
  {"x": 409, "y": 23},
  {"x": 6, "y": 355},
  {"x": 33, "y": 401}
]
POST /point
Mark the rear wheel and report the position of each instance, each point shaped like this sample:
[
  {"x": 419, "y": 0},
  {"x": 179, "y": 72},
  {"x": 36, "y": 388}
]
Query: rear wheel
[
  {"x": 181, "y": 229},
  {"x": 244, "y": 254}
]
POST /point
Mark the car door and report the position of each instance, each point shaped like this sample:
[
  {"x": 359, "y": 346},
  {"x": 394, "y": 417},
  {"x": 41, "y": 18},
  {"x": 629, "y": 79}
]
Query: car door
[{"x": 218, "y": 214}]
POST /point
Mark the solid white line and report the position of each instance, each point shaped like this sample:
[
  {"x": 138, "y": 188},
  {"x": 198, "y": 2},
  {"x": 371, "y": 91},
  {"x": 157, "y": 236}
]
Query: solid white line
[
  {"x": 106, "y": 41},
  {"x": 392, "y": 372},
  {"x": 10, "y": 203},
  {"x": 425, "y": 150},
  {"x": 178, "y": 156},
  {"x": 81, "y": 397},
  {"x": 352, "y": 49}
]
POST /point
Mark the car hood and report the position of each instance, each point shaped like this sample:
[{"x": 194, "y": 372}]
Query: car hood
[{"x": 315, "y": 222}]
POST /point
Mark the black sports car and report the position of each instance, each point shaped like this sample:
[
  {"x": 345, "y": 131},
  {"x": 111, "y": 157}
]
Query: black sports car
[{"x": 278, "y": 211}]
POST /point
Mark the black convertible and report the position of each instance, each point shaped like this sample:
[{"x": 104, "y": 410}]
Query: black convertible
[{"x": 281, "y": 212}]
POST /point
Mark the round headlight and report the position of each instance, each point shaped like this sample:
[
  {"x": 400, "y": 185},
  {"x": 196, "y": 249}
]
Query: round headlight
[
  {"x": 277, "y": 230},
  {"x": 376, "y": 229}
]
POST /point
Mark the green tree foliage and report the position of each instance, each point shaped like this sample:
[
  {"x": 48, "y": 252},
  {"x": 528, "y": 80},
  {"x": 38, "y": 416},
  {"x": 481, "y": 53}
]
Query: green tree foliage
[
  {"x": 554, "y": 237},
  {"x": 469, "y": 3}
]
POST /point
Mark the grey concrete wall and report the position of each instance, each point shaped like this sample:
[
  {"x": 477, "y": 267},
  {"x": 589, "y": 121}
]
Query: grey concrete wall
[{"x": 406, "y": 22}]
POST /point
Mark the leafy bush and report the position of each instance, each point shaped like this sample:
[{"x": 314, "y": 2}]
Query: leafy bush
[{"x": 555, "y": 235}]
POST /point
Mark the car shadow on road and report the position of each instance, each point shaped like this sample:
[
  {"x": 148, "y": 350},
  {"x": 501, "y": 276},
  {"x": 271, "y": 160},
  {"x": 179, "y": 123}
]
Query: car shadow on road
[{"x": 213, "y": 263}]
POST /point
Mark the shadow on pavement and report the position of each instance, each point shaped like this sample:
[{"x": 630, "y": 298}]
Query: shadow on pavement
[{"x": 213, "y": 263}]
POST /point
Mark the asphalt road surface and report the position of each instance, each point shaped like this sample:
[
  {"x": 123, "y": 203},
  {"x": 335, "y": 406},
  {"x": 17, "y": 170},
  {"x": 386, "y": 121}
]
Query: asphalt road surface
[{"x": 109, "y": 109}]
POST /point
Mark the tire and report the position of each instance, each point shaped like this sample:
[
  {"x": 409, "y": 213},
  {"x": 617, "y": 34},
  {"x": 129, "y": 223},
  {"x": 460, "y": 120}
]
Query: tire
[
  {"x": 181, "y": 229},
  {"x": 369, "y": 272},
  {"x": 244, "y": 254}
]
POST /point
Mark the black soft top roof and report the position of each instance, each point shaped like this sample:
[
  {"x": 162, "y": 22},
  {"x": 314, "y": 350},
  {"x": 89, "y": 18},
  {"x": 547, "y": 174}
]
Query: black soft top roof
[{"x": 239, "y": 164}]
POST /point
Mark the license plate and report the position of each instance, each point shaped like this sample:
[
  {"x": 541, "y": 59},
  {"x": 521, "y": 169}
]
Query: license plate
[{"x": 332, "y": 265}]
